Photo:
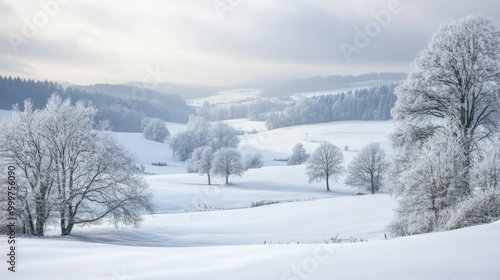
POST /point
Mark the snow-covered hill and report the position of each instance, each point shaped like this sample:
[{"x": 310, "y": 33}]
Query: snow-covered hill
[{"x": 212, "y": 232}]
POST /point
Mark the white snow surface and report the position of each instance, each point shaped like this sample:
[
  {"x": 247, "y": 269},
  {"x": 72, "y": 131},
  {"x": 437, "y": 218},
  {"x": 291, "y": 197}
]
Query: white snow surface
[
  {"x": 211, "y": 232},
  {"x": 228, "y": 97}
]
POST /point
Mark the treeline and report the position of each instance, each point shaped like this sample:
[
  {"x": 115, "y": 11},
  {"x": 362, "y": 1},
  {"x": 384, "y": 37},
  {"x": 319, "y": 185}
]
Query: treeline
[
  {"x": 364, "y": 104},
  {"x": 122, "y": 106},
  {"x": 314, "y": 84}
]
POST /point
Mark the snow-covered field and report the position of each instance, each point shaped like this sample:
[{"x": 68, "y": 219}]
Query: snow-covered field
[
  {"x": 211, "y": 232},
  {"x": 226, "y": 98}
]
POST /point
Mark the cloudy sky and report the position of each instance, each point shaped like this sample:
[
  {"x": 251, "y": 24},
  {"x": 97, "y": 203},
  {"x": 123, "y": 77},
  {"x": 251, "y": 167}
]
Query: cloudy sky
[{"x": 218, "y": 42}]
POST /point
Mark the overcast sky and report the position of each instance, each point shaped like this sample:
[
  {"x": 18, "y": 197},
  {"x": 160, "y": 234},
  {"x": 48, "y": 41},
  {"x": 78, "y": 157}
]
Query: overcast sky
[{"x": 218, "y": 42}]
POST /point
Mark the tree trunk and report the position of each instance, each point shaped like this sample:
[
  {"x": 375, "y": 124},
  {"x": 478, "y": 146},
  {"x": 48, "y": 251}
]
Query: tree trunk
[
  {"x": 41, "y": 214},
  {"x": 67, "y": 230},
  {"x": 63, "y": 222},
  {"x": 30, "y": 224},
  {"x": 208, "y": 174},
  {"x": 227, "y": 179},
  {"x": 327, "y": 185},
  {"x": 372, "y": 184},
  {"x": 71, "y": 221}
]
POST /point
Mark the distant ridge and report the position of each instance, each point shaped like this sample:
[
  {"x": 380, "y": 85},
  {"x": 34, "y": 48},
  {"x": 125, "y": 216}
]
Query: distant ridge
[{"x": 122, "y": 106}]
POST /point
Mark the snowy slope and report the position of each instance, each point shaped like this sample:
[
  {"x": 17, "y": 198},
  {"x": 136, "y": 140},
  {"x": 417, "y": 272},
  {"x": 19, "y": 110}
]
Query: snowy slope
[
  {"x": 227, "y": 241},
  {"x": 470, "y": 253}
]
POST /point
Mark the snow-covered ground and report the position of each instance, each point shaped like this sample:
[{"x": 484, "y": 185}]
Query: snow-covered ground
[
  {"x": 226, "y": 98},
  {"x": 211, "y": 232}
]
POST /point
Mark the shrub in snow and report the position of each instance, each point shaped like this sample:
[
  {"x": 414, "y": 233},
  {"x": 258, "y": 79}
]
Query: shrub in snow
[
  {"x": 156, "y": 130},
  {"x": 483, "y": 207},
  {"x": 299, "y": 155},
  {"x": 337, "y": 240},
  {"x": 159, "y": 164},
  {"x": 253, "y": 161}
]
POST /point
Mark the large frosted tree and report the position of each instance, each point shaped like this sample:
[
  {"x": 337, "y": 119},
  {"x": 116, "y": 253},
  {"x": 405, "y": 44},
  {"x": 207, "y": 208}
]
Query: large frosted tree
[
  {"x": 446, "y": 108},
  {"x": 455, "y": 80},
  {"x": 70, "y": 169}
]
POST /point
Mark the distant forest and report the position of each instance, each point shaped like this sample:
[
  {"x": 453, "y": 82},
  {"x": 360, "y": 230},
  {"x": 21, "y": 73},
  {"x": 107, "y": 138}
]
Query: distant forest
[
  {"x": 122, "y": 106},
  {"x": 374, "y": 103},
  {"x": 364, "y": 104},
  {"x": 314, "y": 84}
]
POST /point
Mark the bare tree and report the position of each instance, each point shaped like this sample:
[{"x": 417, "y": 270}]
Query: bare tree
[
  {"x": 326, "y": 162},
  {"x": 367, "y": 169},
  {"x": 227, "y": 162}
]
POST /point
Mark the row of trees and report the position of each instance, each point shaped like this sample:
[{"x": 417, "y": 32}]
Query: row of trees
[
  {"x": 201, "y": 133},
  {"x": 445, "y": 173},
  {"x": 68, "y": 170},
  {"x": 366, "y": 171},
  {"x": 365, "y": 104},
  {"x": 224, "y": 162},
  {"x": 210, "y": 149}
]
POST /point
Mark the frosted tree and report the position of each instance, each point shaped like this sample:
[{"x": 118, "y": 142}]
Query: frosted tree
[
  {"x": 93, "y": 174},
  {"x": 22, "y": 147},
  {"x": 200, "y": 129},
  {"x": 227, "y": 162},
  {"x": 299, "y": 155},
  {"x": 224, "y": 136},
  {"x": 431, "y": 185},
  {"x": 201, "y": 161},
  {"x": 486, "y": 174},
  {"x": 451, "y": 95},
  {"x": 367, "y": 169},
  {"x": 325, "y": 163},
  {"x": 156, "y": 130},
  {"x": 197, "y": 135},
  {"x": 455, "y": 79},
  {"x": 254, "y": 160},
  {"x": 183, "y": 144},
  {"x": 87, "y": 176}
]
